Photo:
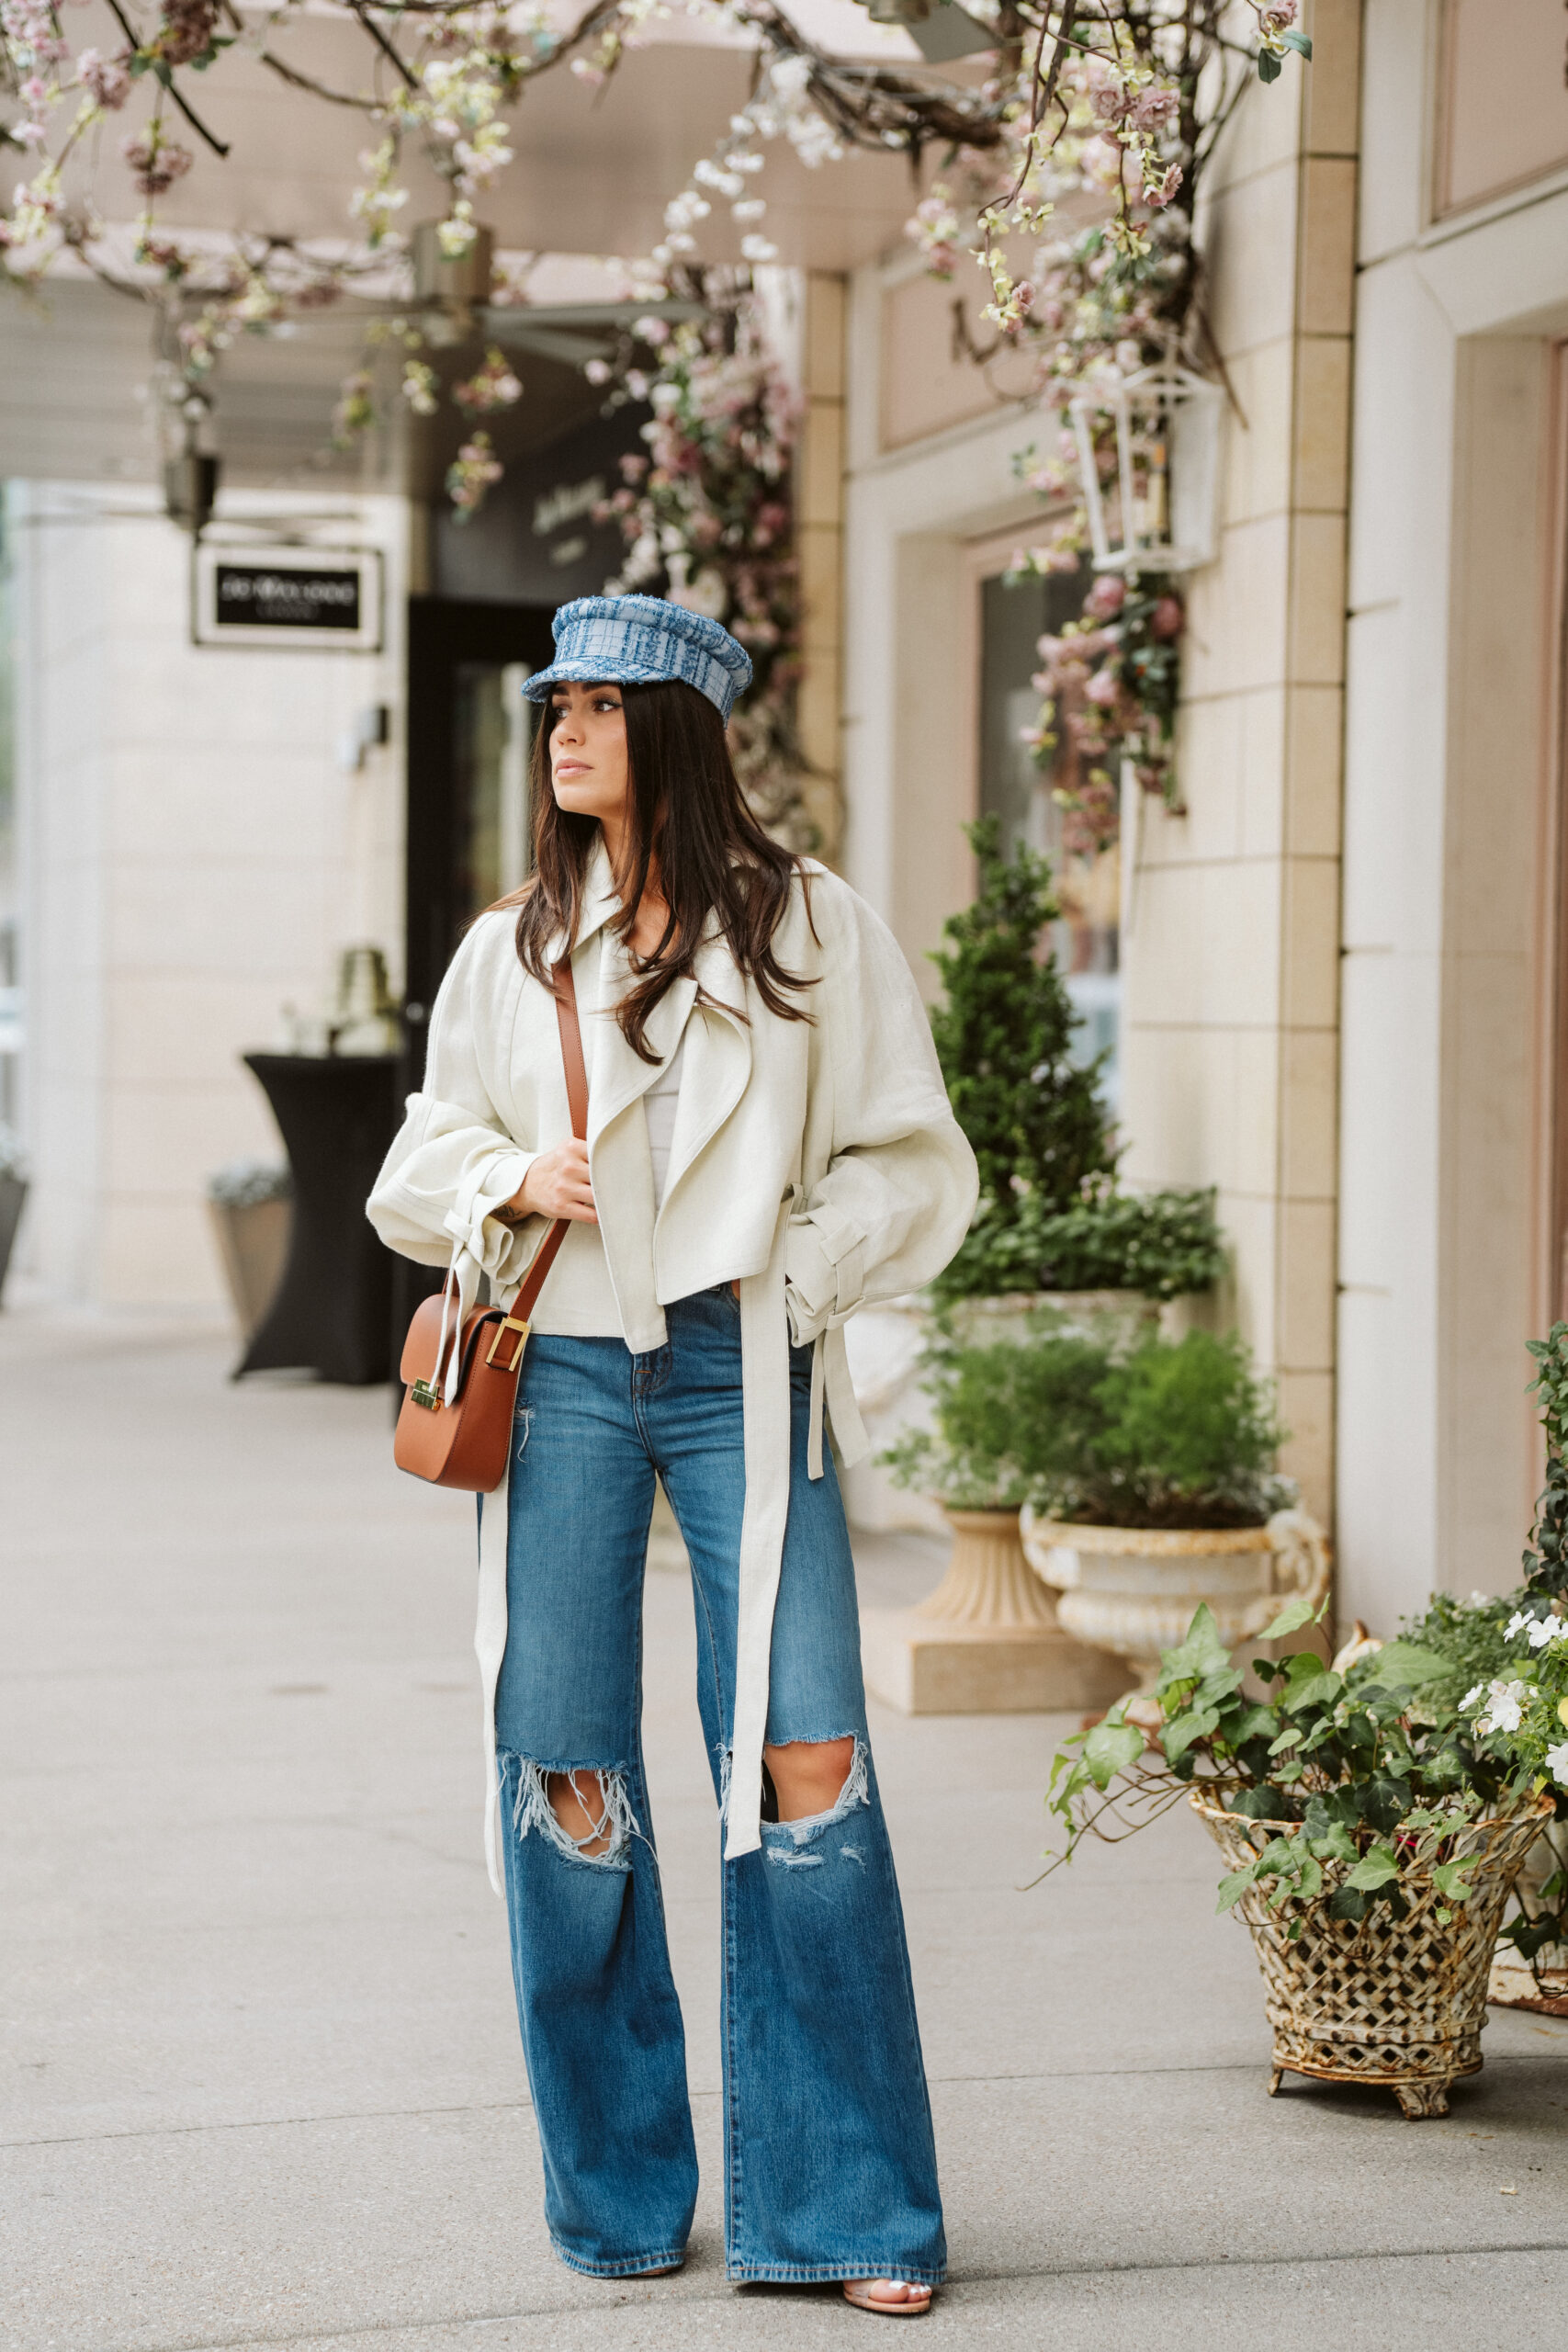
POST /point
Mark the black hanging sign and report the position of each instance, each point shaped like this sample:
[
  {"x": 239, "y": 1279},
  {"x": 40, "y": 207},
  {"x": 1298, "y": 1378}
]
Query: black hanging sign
[{"x": 286, "y": 596}]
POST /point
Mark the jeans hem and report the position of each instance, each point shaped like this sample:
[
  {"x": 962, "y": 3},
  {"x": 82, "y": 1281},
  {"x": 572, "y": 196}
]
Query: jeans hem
[
  {"x": 636, "y": 2267},
  {"x": 829, "y": 2274}
]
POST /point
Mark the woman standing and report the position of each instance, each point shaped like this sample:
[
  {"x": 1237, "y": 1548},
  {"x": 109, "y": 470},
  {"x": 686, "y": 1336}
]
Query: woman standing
[{"x": 769, "y": 1145}]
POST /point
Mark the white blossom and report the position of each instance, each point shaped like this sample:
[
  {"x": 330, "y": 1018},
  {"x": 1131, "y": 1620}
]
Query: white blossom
[
  {"x": 1504, "y": 1707},
  {"x": 1557, "y": 1762}
]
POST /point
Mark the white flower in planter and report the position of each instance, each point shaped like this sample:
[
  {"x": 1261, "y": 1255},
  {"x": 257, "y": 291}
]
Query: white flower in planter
[
  {"x": 1506, "y": 1706},
  {"x": 1557, "y": 1762}
]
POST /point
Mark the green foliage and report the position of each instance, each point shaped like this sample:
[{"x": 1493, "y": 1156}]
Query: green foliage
[
  {"x": 1156, "y": 1434},
  {"x": 1164, "y": 1244},
  {"x": 1359, "y": 1776},
  {"x": 1004, "y": 1038},
  {"x": 1186, "y": 1425},
  {"x": 1546, "y": 1560}
]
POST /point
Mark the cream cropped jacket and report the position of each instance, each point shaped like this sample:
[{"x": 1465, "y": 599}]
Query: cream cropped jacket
[{"x": 817, "y": 1162}]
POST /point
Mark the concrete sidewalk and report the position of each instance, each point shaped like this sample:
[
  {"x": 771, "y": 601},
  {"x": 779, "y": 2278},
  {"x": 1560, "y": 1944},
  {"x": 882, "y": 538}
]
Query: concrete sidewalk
[{"x": 262, "y": 2075}]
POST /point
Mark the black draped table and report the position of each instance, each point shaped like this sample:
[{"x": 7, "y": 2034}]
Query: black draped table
[{"x": 332, "y": 1313}]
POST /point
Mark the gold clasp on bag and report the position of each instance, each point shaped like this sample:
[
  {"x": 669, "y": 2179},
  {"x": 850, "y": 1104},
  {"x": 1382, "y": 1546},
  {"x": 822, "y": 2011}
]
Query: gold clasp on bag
[
  {"x": 509, "y": 1323},
  {"x": 422, "y": 1393}
]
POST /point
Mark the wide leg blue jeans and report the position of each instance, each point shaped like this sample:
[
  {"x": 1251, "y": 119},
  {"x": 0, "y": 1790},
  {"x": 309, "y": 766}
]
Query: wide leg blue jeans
[{"x": 830, "y": 2165}]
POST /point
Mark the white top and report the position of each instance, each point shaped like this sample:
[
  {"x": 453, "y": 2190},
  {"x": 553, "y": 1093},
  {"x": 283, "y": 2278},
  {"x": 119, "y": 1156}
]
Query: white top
[{"x": 660, "y": 1104}]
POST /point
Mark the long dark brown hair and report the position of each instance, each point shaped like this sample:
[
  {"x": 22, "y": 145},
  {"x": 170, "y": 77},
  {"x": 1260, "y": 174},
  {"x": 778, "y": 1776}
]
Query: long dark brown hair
[{"x": 686, "y": 805}]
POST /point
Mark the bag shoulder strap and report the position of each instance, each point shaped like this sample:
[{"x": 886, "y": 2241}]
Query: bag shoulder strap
[
  {"x": 544, "y": 1257},
  {"x": 571, "y": 1046}
]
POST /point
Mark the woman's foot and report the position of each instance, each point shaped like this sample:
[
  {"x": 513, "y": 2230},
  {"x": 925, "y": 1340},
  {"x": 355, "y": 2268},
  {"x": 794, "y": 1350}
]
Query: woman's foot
[{"x": 893, "y": 2297}]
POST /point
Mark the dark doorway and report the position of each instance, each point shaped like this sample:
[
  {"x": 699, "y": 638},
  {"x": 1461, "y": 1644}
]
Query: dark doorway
[{"x": 468, "y": 818}]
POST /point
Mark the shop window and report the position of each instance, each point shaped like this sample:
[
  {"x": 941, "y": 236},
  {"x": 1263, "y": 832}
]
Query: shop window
[{"x": 1014, "y": 615}]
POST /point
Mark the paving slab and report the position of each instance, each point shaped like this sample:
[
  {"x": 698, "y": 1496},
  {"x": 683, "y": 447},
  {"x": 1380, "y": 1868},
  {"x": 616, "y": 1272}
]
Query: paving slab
[{"x": 261, "y": 2079}]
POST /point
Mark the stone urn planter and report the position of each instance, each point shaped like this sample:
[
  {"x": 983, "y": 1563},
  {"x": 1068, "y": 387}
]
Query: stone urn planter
[
  {"x": 986, "y": 1641},
  {"x": 13, "y": 1197},
  {"x": 251, "y": 1211},
  {"x": 1133, "y": 1591},
  {"x": 1400, "y": 2003}
]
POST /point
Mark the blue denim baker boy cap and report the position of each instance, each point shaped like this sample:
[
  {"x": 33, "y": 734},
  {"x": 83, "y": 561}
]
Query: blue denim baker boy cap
[{"x": 641, "y": 641}]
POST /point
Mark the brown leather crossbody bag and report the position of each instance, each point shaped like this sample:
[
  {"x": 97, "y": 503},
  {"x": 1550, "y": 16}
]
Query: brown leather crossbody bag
[{"x": 464, "y": 1440}]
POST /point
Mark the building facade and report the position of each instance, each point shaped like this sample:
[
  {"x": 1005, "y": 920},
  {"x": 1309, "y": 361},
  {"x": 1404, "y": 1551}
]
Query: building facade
[{"x": 1333, "y": 988}]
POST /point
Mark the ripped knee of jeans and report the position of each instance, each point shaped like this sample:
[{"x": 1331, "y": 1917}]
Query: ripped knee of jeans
[
  {"x": 582, "y": 1811},
  {"x": 810, "y": 1844}
]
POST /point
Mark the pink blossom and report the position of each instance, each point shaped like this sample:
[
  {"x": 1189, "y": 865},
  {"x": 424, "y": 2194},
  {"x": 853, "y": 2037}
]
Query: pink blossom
[
  {"x": 104, "y": 78},
  {"x": 1106, "y": 598},
  {"x": 1153, "y": 108},
  {"x": 1167, "y": 619},
  {"x": 1101, "y": 689},
  {"x": 1164, "y": 188},
  {"x": 1281, "y": 14},
  {"x": 156, "y": 164},
  {"x": 1113, "y": 102}
]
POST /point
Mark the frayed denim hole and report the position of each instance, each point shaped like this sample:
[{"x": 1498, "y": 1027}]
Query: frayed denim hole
[
  {"x": 779, "y": 1837},
  {"x": 726, "y": 1767},
  {"x": 523, "y": 1421},
  {"x": 534, "y": 1811}
]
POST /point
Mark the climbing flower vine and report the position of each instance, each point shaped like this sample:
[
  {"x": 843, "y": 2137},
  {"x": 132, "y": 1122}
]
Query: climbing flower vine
[
  {"x": 1082, "y": 220},
  {"x": 705, "y": 513}
]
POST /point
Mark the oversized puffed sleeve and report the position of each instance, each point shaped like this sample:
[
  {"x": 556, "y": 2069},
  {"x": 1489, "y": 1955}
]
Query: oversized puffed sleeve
[
  {"x": 454, "y": 1162},
  {"x": 901, "y": 1183}
]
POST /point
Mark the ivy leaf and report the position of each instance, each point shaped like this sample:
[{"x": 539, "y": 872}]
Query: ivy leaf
[
  {"x": 1291, "y": 1617},
  {"x": 1385, "y": 1802},
  {"x": 1334, "y": 1845},
  {"x": 1257, "y": 1724},
  {"x": 1450, "y": 1878},
  {"x": 1309, "y": 1884},
  {"x": 1299, "y": 41},
  {"x": 1110, "y": 1749},
  {"x": 1233, "y": 1888},
  {"x": 1375, "y": 1871},
  {"x": 1346, "y": 1902},
  {"x": 1291, "y": 1739},
  {"x": 1263, "y": 1803},
  {"x": 1195, "y": 1725},
  {"x": 1269, "y": 66},
  {"x": 1401, "y": 1664},
  {"x": 1202, "y": 1652},
  {"x": 1319, "y": 1689}
]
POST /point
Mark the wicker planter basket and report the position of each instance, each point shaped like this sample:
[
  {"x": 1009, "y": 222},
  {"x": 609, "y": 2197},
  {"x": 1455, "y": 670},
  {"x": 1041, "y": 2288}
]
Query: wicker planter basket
[{"x": 1396, "y": 2002}]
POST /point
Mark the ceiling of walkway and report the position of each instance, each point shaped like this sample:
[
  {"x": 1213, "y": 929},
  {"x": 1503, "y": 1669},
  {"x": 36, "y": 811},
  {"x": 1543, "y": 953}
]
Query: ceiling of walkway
[{"x": 591, "y": 175}]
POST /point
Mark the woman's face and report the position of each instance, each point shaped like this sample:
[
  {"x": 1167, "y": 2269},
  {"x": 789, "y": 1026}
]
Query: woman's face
[{"x": 588, "y": 750}]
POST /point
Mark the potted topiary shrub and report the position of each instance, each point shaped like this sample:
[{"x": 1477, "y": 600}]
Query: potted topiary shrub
[
  {"x": 1372, "y": 1827},
  {"x": 1158, "y": 1491},
  {"x": 1050, "y": 1224},
  {"x": 13, "y": 1197},
  {"x": 250, "y": 1203}
]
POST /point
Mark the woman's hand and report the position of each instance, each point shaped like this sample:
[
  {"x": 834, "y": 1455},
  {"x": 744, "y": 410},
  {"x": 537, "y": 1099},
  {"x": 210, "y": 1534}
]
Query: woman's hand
[{"x": 557, "y": 1185}]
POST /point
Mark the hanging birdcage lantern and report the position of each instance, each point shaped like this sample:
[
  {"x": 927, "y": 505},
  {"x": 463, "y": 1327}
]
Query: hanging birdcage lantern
[{"x": 1157, "y": 509}]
